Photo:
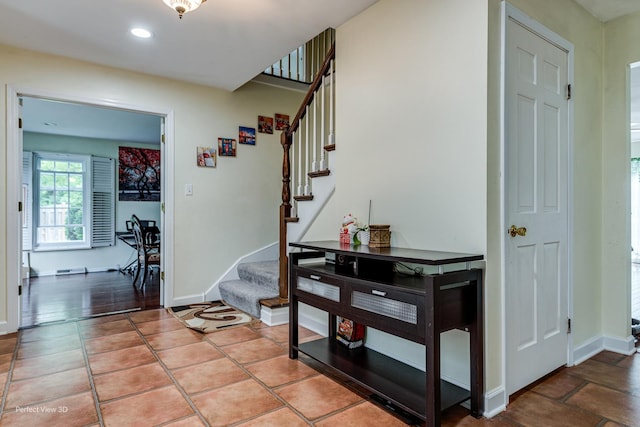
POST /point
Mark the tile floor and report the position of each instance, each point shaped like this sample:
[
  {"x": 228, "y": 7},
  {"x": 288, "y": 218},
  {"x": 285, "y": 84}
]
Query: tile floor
[{"x": 145, "y": 368}]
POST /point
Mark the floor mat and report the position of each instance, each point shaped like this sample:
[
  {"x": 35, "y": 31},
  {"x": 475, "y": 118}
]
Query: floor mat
[{"x": 211, "y": 316}]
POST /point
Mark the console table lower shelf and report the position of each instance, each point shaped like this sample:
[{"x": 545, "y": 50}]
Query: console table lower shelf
[{"x": 397, "y": 382}]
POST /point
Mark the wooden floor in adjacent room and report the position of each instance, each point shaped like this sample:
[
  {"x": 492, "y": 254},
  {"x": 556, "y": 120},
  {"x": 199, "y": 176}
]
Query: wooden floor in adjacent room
[{"x": 60, "y": 298}]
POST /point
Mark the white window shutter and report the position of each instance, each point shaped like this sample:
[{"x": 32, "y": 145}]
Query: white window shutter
[
  {"x": 103, "y": 218},
  {"x": 27, "y": 201}
]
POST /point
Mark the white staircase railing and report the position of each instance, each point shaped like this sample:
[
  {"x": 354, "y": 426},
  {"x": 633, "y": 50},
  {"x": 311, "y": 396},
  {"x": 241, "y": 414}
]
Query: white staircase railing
[
  {"x": 305, "y": 144},
  {"x": 303, "y": 63}
]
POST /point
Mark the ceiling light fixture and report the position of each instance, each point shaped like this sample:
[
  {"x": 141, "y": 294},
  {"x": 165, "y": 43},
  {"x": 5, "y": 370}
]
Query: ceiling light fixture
[
  {"x": 141, "y": 33},
  {"x": 183, "y": 6}
]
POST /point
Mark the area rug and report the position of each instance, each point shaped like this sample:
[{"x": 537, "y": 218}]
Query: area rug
[{"x": 210, "y": 316}]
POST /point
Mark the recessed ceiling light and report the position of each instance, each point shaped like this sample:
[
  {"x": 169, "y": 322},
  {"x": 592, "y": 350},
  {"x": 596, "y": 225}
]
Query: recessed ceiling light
[{"x": 141, "y": 32}]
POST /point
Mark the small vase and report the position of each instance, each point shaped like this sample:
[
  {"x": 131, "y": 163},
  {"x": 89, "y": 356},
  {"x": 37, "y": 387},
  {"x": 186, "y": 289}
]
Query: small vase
[{"x": 364, "y": 237}]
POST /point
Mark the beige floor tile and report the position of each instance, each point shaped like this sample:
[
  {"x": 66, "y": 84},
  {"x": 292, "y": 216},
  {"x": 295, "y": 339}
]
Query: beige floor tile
[
  {"x": 52, "y": 386},
  {"x": 614, "y": 405},
  {"x": 280, "y": 418},
  {"x": 150, "y": 315},
  {"x": 190, "y": 354},
  {"x": 558, "y": 386},
  {"x": 235, "y": 402},
  {"x": 48, "y": 346},
  {"x": 48, "y": 332},
  {"x": 208, "y": 375},
  {"x": 71, "y": 411},
  {"x": 233, "y": 335},
  {"x": 179, "y": 337},
  {"x": 101, "y": 319},
  {"x": 364, "y": 414},
  {"x": 611, "y": 376},
  {"x": 254, "y": 350},
  {"x": 130, "y": 381},
  {"x": 113, "y": 342},
  {"x": 317, "y": 396},
  {"x": 192, "y": 421},
  {"x": 531, "y": 409},
  {"x": 120, "y": 359},
  {"x": 146, "y": 409},
  {"x": 458, "y": 416},
  {"x": 49, "y": 364},
  {"x": 106, "y": 328},
  {"x": 280, "y": 370},
  {"x": 162, "y": 325},
  {"x": 5, "y": 362}
]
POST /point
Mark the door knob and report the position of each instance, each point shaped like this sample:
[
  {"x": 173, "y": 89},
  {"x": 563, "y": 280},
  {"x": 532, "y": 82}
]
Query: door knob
[{"x": 517, "y": 231}]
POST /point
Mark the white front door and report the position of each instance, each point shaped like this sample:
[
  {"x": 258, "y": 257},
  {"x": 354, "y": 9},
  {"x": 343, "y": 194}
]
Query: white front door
[{"x": 536, "y": 199}]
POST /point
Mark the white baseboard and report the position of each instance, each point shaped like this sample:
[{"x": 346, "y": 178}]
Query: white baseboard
[
  {"x": 495, "y": 401},
  {"x": 624, "y": 346},
  {"x": 186, "y": 300},
  {"x": 587, "y": 350},
  {"x": 75, "y": 270},
  {"x": 597, "y": 344},
  {"x": 4, "y": 328},
  {"x": 274, "y": 316}
]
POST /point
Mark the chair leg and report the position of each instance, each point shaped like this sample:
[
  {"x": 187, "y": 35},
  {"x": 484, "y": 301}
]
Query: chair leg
[
  {"x": 144, "y": 276},
  {"x": 135, "y": 278}
]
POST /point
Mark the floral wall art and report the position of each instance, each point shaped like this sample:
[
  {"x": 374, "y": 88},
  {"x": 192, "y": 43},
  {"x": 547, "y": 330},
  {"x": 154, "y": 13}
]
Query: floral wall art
[{"x": 139, "y": 174}]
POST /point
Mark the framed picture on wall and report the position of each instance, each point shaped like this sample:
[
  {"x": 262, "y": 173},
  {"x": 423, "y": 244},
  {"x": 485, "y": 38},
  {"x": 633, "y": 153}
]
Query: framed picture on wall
[
  {"x": 247, "y": 135},
  {"x": 227, "y": 147},
  {"x": 139, "y": 174},
  {"x": 265, "y": 124},
  {"x": 206, "y": 157},
  {"x": 282, "y": 121}
]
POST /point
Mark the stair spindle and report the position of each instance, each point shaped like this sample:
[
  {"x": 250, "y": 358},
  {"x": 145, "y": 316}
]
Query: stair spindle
[
  {"x": 332, "y": 136},
  {"x": 323, "y": 165}
]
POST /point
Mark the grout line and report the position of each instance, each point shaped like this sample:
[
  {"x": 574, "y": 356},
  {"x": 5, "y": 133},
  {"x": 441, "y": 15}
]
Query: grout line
[
  {"x": 94, "y": 392},
  {"x": 256, "y": 379},
  {"x": 169, "y": 374}
]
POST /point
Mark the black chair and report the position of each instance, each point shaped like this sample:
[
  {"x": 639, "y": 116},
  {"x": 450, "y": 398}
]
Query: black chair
[{"x": 147, "y": 247}]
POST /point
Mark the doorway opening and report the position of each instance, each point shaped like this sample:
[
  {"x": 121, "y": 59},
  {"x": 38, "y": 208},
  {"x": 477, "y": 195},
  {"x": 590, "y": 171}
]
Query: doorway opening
[
  {"x": 634, "y": 130},
  {"x": 74, "y": 254}
]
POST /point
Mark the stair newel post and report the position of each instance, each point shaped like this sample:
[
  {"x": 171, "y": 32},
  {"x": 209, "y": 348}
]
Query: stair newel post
[{"x": 285, "y": 212}]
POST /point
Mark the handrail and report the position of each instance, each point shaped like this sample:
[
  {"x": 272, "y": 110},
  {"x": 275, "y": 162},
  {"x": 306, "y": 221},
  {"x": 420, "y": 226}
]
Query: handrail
[
  {"x": 286, "y": 139},
  {"x": 313, "y": 88}
]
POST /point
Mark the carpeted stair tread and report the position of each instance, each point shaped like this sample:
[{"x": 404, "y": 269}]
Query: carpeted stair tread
[
  {"x": 264, "y": 273},
  {"x": 245, "y": 296}
]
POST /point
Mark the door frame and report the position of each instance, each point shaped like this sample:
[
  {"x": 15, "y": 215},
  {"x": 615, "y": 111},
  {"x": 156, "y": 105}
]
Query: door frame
[
  {"x": 511, "y": 12},
  {"x": 14, "y": 192}
]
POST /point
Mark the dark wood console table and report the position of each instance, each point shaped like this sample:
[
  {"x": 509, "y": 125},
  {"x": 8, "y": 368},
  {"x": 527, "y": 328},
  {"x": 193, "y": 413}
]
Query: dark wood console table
[{"x": 362, "y": 285}]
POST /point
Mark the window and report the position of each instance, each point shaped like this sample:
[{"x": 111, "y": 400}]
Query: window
[{"x": 73, "y": 201}]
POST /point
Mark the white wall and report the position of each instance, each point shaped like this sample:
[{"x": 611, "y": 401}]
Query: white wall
[
  {"x": 622, "y": 49},
  {"x": 411, "y": 135},
  {"x": 234, "y": 208},
  {"x": 94, "y": 259}
]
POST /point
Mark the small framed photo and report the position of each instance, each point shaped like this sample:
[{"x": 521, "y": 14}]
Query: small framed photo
[
  {"x": 206, "y": 157},
  {"x": 247, "y": 135},
  {"x": 282, "y": 121},
  {"x": 265, "y": 124},
  {"x": 227, "y": 147}
]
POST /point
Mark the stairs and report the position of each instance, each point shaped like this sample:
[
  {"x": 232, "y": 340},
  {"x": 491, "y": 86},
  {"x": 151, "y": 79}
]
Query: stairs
[{"x": 258, "y": 281}]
